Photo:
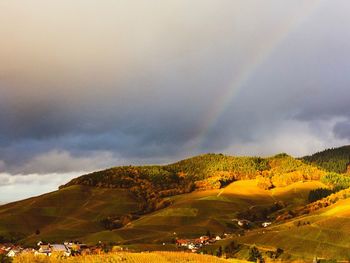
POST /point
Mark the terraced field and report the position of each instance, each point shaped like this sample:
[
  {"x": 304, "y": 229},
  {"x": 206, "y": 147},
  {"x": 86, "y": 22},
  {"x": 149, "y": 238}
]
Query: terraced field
[
  {"x": 324, "y": 234},
  {"x": 75, "y": 213},
  {"x": 192, "y": 215},
  {"x": 64, "y": 214}
]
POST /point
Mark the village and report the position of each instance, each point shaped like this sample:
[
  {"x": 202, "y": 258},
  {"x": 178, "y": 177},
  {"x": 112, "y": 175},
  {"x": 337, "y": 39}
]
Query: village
[
  {"x": 65, "y": 249},
  {"x": 73, "y": 248},
  {"x": 197, "y": 243}
]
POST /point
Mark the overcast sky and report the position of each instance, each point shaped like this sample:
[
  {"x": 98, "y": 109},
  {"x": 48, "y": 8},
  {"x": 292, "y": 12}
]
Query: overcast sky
[{"x": 90, "y": 84}]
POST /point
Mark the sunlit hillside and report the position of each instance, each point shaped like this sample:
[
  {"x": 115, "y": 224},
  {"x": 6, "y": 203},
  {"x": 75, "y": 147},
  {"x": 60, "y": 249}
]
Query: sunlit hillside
[
  {"x": 194, "y": 214},
  {"x": 148, "y": 208},
  {"x": 324, "y": 234},
  {"x": 62, "y": 215}
]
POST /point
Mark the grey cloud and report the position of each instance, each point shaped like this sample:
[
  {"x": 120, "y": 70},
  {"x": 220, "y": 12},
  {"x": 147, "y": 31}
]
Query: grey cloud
[
  {"x": 120, "y": 83},
  {"x": 342, "y": 129}
]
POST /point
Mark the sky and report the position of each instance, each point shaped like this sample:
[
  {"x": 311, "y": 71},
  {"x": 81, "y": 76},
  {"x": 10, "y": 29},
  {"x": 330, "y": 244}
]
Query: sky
[{"x": 90, "y": 84}]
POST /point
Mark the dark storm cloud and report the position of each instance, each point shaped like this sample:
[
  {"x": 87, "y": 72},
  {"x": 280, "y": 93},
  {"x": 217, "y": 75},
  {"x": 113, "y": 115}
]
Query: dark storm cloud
[
  {"x": 85, "y": 85},
  {"x": 342, "y": 129}
]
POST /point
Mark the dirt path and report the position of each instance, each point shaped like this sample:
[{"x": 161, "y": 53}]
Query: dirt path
[{"x": 220, "y": 192}]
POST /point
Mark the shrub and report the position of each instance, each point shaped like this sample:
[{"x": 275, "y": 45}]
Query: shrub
[
  {"x": 254, "y": 254},
  {"x": 318, "y": 194},
  {"x": 264, "y": 182},
  {"x": 5, "y": 259}
]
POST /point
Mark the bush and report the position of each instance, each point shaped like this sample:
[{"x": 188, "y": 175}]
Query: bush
[
  {"x": 337, "y": 181},
  {"x": 319, "y": 193},
  {"x": 264, "y": 182},
  {"x": 5, "y": 259},
  {"x": 254, "y": 254}
]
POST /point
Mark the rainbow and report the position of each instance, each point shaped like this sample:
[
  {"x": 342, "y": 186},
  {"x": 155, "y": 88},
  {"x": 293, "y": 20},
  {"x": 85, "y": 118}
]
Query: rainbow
[{"x": 263, "y": 52}]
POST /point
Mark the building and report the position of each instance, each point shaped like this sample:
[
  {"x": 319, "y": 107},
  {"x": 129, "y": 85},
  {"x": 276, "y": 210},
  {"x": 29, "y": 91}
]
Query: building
[
  {"x": 49, "y": 249},
  {"x": 182, "y": 242},
  {"x": 266, "y": 224},
  {"x": 60, "y": 249}
]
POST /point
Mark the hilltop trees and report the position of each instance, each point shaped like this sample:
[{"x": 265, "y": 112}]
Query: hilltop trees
[
  {"x": 314, "y": 206},
  {"x": 332, "y": 160},
  {"x": 337, "y": 181},
  {"x": 151, "y": 184}
]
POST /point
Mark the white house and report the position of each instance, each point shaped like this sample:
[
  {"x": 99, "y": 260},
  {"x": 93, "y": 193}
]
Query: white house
[
  {"x": 266, "y": 224},
  {"x": 12, "y": 253}
]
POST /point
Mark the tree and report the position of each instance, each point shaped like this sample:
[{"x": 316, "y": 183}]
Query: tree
[
  {"x": 208, "y": 233},
  {"x": 319, "y": 193},
  {"x": 219, "y": 252},
  {"x": 264, "y": 182},
  {"x": 254, "y": 254}
]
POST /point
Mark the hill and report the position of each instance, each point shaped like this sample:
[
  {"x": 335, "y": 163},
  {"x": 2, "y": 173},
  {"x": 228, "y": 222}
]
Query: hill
[
  {"x": 209, "y": 171},
  {"x": 193, "y": 215},
  {"x": 63, "y": 215},
  {"x": 110, "y": 199},
  {"x": 142, "y": 207},
  {"x": 332, "y": 160},
  {"x": 323, "y": 233}
]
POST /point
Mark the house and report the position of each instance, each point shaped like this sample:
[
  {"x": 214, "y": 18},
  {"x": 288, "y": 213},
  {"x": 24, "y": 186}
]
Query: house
[
  {"x": 49, "y": 249},
  {"x": 191, "y": 246},
  {"x": 182, "y": 242},
  {"x": 204, "y": 239},
  {"x": 266, "y": 224},
  {"x": 44, "y": 249},
  {"x": 60, "y": 249},
  {"x": 75, "y": 247},
  {"x": 13, "y": 252},
  {"x": 243, "y": 223}
]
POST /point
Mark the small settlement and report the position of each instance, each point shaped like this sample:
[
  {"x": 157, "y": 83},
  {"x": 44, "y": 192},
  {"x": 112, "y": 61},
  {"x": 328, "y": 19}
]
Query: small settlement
[
  {"x": 66, "y": 249},
  {"x": 11, "y": 250},
  {"x": 197, "y": 243}
]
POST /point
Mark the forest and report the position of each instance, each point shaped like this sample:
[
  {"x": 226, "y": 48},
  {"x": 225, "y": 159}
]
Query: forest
[
  {"x": 152, "y": 184},
  {"x": 332, "y": 160}
]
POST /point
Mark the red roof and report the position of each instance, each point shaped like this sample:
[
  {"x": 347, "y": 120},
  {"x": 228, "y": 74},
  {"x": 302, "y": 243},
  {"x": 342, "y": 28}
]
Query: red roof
[{"x": 181, "y": 241}]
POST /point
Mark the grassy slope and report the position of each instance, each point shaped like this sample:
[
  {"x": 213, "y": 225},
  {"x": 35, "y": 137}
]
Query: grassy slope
[
  {"x": 326, "y": 236},
  {"x": 64, "y": 214},
  {"x": 193, "y": 214},
  {"x": 74, "y": 211}
]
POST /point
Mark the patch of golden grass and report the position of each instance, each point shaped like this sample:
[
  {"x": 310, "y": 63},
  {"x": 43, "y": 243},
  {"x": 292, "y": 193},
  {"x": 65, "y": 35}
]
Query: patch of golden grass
[{"x": 159, "y": 257}]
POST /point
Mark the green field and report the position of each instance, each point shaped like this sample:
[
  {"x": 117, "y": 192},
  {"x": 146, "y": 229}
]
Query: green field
[
  {"x": 324, "y": 234},
  {"x": 75, "y": 213},
  {"x": 65, "y": 214},
  {"x": 192, "y": 215}
]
